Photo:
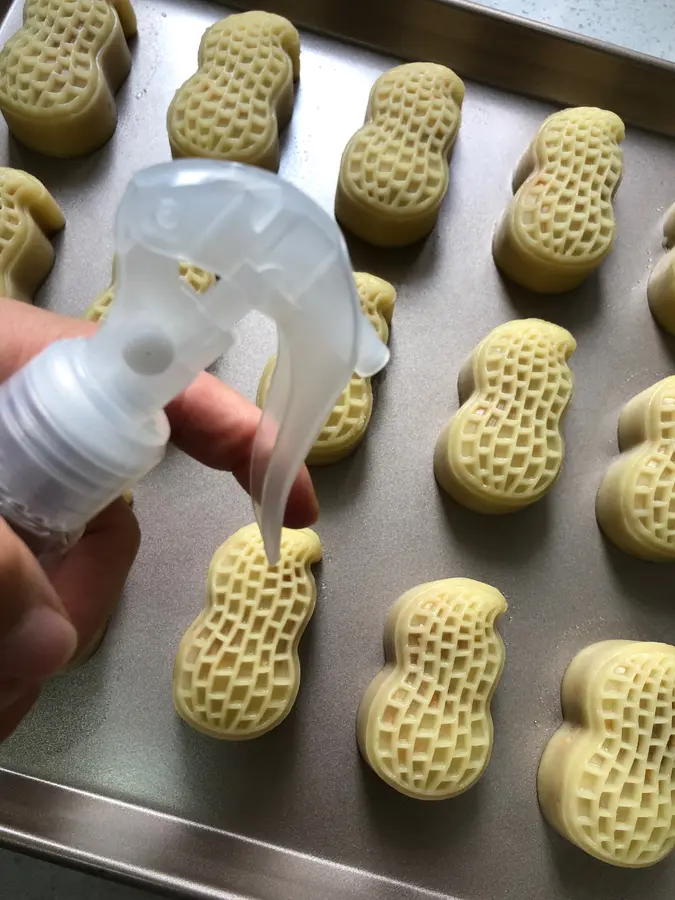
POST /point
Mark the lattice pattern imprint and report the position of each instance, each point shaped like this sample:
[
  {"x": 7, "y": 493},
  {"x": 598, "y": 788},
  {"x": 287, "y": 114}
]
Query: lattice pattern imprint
[
  {"x": 424, "y": 724},
  {"x": 661, "y": 286},
  {"x": 607, "y": 777},
  {"x": 241, "y": 96},
  {"x": 560, "y": 225},
  {"x": 635, "y": 505},
  {"x": 394, "y": 170},
  {"x": 348, "y": 422},
  {"x": 98, "y": 309},
  {"x": 237, "y": 671},
  {"x": 503, "y": 449},
  {"x": 28, "y": 214},
  {"x": 59, "y": 73}
]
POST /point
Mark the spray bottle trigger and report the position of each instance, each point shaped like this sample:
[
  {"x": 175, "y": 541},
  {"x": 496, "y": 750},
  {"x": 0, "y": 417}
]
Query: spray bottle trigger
[{"x": 308, "y": 377}]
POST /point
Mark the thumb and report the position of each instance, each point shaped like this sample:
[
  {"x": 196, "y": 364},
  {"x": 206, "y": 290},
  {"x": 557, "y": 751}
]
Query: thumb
[{"x": 36, "y": 635}]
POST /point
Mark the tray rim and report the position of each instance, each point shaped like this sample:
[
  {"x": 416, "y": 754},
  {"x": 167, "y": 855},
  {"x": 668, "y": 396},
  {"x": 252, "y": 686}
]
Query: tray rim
[
  {"x": 39, "y": 816},
  {"x": 531, "y": 60},
  {"x": 91, "y": 832}
]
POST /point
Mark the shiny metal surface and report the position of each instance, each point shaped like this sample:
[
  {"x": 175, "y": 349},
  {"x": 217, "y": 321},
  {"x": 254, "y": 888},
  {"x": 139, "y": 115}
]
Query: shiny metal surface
[{"x": 103, "y": 774}]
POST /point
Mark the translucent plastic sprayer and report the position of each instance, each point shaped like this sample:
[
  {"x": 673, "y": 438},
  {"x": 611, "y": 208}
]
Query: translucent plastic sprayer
[{"x": 84, "y": 420}]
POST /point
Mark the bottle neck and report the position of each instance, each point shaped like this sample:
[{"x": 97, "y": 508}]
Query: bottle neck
[
  {"x": 44, "y": 542},
  {"x": 64, "y": 453}
]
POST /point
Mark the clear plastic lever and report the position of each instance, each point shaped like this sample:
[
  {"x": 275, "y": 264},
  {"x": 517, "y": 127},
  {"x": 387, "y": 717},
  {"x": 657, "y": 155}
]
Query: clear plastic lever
[{"x": 274, "y": 250}]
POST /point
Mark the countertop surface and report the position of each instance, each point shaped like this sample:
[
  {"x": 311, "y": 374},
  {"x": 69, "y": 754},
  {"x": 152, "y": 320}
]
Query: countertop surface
[
  {"x": 647, "y": 26},
  {"x": 644, "y": 25}
]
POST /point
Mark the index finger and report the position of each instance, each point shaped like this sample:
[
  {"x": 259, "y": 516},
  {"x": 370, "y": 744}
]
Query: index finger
[
  {"x": 209, "y": 421},
  {"x": 216, "y": 426}
]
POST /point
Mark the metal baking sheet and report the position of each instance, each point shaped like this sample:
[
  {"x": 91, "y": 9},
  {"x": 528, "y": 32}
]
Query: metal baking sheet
[{"x": 103, "y": 774}]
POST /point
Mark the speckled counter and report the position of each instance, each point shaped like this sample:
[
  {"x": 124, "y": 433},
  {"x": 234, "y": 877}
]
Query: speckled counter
[{"x": 644, "y": 25}]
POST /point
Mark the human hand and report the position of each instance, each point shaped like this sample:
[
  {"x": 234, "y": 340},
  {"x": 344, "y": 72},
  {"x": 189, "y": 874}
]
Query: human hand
[{"x": 51, "y": 616}]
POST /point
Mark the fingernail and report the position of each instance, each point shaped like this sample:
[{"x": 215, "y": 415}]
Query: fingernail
[
  {"x": 40, "y": 643},
  {"x": 84, "y": 654}
]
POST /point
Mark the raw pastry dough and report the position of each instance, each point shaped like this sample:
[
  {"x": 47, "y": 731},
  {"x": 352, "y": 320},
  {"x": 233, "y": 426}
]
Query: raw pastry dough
[
  {"x": 661, "y": 286},
  {"x": 347, "y": 424},
  {"x": 59, "y": 74},
  {"x": 424, "y": 724},
  {"x": 28, "y": 214},
  {"x": 98, "y": 309},
  {"x": 503, "y": 449},
  {"x": 635, "y": 505},
  {"x": 237, "y": 671},
  {"x": 560, "y": 225},
  {"x": 394, "y": 170},
  {"x": 606, "y": 777},
  {"x": 241, "y": 97}
]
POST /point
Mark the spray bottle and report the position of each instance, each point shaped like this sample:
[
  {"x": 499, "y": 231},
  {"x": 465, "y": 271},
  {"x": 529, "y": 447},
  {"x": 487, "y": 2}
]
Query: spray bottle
[{"x": 84, "y": 420}]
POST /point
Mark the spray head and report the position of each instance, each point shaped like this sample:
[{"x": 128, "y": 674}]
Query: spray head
[{"x": 273, "y": 249}]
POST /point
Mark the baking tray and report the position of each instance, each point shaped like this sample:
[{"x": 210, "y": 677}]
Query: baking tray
[{"x": 103, "y": 774}]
